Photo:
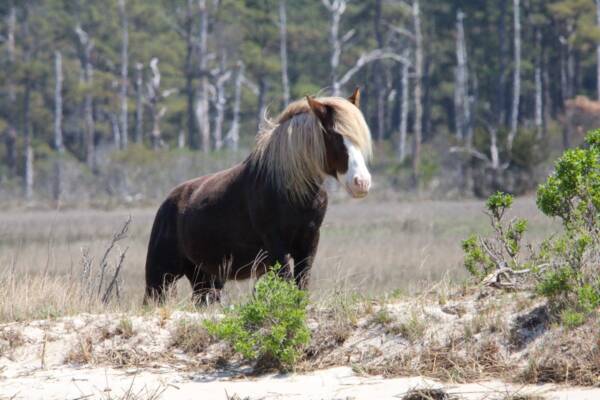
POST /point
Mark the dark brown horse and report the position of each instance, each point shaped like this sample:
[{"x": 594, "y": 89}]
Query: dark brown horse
[{"x": 266, "y": 210}]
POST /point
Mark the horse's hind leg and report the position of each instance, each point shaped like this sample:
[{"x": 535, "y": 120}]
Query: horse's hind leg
[
  {"x": 164, "y": 261},
  {"x": 206, "y": 288}
]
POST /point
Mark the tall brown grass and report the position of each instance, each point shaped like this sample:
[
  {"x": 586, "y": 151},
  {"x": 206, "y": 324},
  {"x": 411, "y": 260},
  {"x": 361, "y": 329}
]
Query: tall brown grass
[{"x": 367, "y": 247}]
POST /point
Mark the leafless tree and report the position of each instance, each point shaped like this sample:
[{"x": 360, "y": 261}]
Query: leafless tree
[
  {"x": 514, "y": 117},
  {"x": 598, "y": 50},
  {"x": 462, "y": 98},
  {"x": 11, "y": 130},
  {"x": 86, "y": 45},
  {"x": 58, "y": 134},
  {"x": 124, "y": 72},
  {"x": 418, "y": 98},
  {"x": 285, "y": 83},
  {"x": 336, "y": 9},
  {"x": 139, "y": 102},
  {"x": 233, "y": 135},
  {"x": 539, "y": 99},
  {"x": 404, "y": 107},
  {"x": 153, "y": 99},
  {"x": 202, "y": 104},
  {"x": 222, "y": 75},
  {"x": 27, "y": 124}
]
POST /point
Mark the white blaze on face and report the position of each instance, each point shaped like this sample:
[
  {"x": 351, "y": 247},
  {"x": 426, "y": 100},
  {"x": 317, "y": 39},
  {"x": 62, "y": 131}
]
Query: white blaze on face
[{"x": 357, "y": 179}]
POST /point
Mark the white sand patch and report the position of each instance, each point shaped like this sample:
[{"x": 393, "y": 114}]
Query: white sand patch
[{"x": 335, "y": 383}]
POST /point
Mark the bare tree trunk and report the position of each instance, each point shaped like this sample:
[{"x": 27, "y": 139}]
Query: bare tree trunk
[
  {"x": 416, "y": 156},
  {"x": 189, "y": 71},
  {"x": 501, "y": 88},
  {"x": 220, "y": 102},
  {"x": 463, "y": 101},
  {"x": 539, "y": 99},
  {"x": 598, "y": 51},
  {"x": 86, "y": 47},
  {"x": 58, "y": 135},
  {"x": 514, "y": 121},
  {"x": 139, "y": 103},
  {"x": 202, "y": 106},
  {"x": 233, "y": 136},
  {"x": 404, "y": 110},
  {"x": 115, "y": 128},
  {"x": 285, "y": 83},
  {"x": 336, "y": 9},
  {"x": 28, "y": 173},
  {"x": 156, "y": 111},
  {"x": 11, "y": 132},
  {"x": 570, "y": 61},
  {"x": 461, "y": 88},
  {"x": 124, "y": 72},
  {"x": 262, "y": 99},
  {"x": 379, "y": 75}
]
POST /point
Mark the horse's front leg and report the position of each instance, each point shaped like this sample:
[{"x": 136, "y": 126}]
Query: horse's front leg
[
  {"x": 304, "y": 252},
  {"x": 279, "y": 253}
]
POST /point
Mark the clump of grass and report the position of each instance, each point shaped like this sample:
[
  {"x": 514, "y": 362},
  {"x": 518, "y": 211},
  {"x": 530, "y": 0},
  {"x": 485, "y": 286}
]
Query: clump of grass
[
  {"x": 125, "y": 328},
  {"x": 190, "y": 336},
  {"x": 411, "y": 329},
  {"x": 10, "y": 339},
  {"x": 82, "y": 352},
  {"x": 271, "y": 328},
  {"x": 382, "y": 317}
]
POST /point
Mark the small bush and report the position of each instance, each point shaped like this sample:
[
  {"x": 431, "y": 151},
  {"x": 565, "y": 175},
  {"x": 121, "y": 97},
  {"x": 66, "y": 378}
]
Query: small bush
[
  {"x": 190, "y": 336},
  {"x": 572, "y": 193},
  {"x": 565, "y": 266},
  {"x": 504, "y": 248},
  {"x": 271, "y": 328}
]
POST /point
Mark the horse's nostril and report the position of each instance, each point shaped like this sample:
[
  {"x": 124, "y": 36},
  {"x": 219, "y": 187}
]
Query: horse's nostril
[{"x": 356, "y": 181}]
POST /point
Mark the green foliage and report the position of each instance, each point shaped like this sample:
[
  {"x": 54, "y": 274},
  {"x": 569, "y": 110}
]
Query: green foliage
[
  {"x": 572, "y": 193},
  {"x": 572, "y": 319},
  {"x": 503, "y": 249},
  {"x": 271, "y": 328}
]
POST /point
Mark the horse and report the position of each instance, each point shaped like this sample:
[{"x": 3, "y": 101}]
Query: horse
[{"x": 267, "y": 210}]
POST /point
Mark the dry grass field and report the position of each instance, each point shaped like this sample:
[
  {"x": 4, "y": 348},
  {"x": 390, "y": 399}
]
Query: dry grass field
[{"x": 368, "y": 247}]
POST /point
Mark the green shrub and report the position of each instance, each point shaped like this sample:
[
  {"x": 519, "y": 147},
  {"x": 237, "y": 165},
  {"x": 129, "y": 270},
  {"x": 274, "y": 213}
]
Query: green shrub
[
  {"x": 572, "y": 193},
  {"x": 565, "y": 266},
  {"x": 503, "y": 249},
  {"x": 271, "y": 328},
  {"x": 572, "y": 319}
]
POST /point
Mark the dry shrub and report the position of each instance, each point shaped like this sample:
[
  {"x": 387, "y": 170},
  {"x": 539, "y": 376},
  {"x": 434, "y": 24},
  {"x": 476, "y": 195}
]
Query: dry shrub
[
  {"x": 190, "y": 336},
  {"x": 567, "y": 356},
  {"x": 10, "y": 339},
  {"x": 125, "y": 356},
  {"x": 427, "y": 394},
  {"x": 82, "y": 352},
  {"x": 125, "y": 328},
  {"x": 455, "y": 361}
]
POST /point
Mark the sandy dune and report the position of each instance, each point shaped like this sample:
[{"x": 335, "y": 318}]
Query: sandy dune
[{"x": 335, "y": 383}]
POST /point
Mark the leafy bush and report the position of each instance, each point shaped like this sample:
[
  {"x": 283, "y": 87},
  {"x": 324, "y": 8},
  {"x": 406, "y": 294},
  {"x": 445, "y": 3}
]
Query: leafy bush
[
  {"x": 503, "y": 250},
  {"x": 271, "y": 328},
  {"x": 572, "y": 193},
  {"x": 565, "y": 266}
]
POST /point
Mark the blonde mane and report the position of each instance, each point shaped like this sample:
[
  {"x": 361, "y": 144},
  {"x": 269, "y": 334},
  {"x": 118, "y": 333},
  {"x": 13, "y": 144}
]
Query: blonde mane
[{"x": 290, "y": 150}]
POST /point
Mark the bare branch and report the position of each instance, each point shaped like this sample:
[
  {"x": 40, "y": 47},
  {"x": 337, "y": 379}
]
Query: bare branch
[{"x": 365, "y": 58}]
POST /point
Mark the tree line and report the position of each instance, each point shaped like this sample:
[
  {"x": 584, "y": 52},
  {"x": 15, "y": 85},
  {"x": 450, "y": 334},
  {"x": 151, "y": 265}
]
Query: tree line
[{"x": 80, "y": 78}]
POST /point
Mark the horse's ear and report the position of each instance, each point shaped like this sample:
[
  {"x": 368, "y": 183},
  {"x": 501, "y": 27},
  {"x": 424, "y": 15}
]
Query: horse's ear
[
  {"x": 318, "y": 108},
  {"x": 355, "y": 97}
]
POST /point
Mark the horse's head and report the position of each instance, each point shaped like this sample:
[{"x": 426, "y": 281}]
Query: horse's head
[{"x": 347, "y": 142}]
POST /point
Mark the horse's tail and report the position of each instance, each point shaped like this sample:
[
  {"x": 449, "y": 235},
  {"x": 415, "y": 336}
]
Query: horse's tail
[{"x": 163, "y": 254}]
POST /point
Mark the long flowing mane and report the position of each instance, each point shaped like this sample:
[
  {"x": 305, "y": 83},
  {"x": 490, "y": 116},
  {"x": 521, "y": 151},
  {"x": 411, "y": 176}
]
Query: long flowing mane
[{"x": 290, "y": 150}]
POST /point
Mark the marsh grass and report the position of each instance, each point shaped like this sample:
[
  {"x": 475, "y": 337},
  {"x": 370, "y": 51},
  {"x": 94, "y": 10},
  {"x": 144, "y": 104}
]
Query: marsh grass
[{"x": 367, "y": 249}]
